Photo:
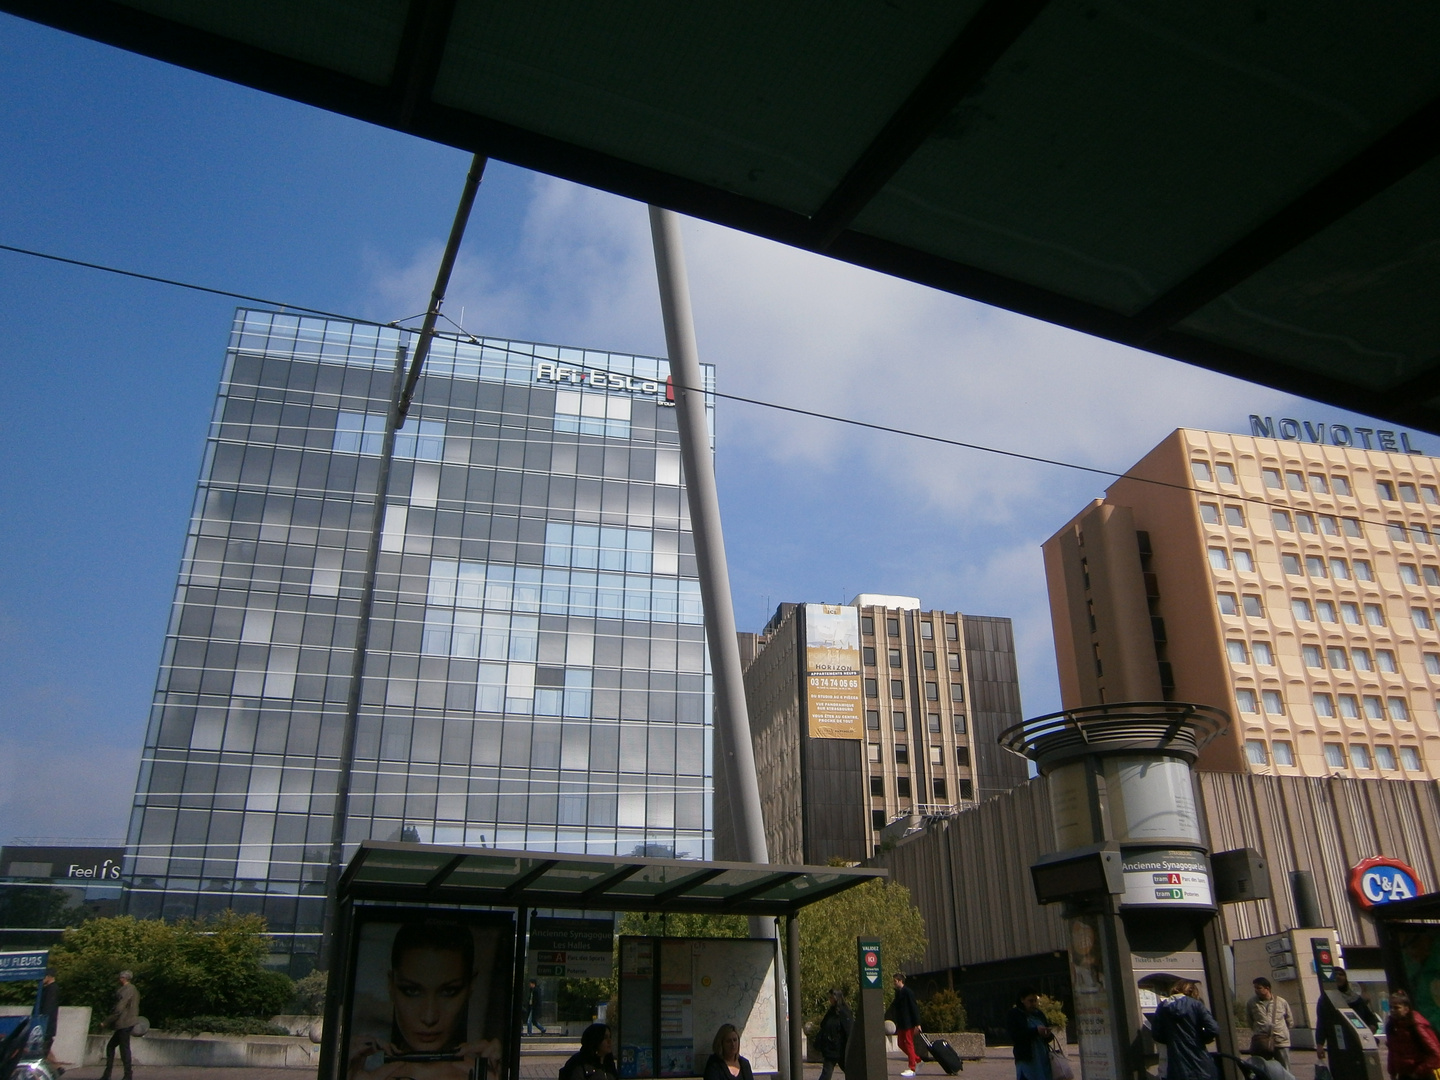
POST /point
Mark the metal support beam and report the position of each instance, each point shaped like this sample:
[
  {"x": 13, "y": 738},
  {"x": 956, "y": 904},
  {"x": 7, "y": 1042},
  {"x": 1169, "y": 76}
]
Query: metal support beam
[
  {"x": 793, "y": 990},
  {"x": 730, "y": 712}
]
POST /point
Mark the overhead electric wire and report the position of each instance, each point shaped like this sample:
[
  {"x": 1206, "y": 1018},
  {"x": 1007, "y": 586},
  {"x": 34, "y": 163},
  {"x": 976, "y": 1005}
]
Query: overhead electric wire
[{"x": 792, "y": 409}]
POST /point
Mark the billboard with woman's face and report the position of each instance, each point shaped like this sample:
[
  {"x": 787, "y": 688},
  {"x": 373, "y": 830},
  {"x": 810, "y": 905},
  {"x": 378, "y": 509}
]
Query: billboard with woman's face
[{"x": 430, "y": 995}]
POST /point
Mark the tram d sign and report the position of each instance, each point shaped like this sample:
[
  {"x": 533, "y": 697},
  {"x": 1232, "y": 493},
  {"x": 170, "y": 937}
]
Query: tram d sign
[
  {"x": 1380, "y": 880},
  {"x": 869, "y": 964}
]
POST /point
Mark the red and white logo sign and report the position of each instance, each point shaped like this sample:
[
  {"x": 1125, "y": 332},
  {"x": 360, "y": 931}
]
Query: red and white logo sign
[{"x": 1382, "y": 880}]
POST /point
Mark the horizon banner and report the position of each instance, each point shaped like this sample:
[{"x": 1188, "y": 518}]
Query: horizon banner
[{"x": 834, "y": 705}]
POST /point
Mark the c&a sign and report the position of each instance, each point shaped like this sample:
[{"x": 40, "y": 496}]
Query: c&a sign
[{"x": 1382, "y": 880}]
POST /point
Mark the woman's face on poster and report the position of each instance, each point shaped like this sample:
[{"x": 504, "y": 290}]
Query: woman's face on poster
[{"x": 430, "y": 990}]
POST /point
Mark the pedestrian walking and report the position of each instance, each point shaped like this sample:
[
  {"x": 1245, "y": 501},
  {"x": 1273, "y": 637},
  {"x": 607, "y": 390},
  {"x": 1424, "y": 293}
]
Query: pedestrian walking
[
  {"x": 595, "y": 1059},
  {"x": 1029, "y": 1038},
  {"x": 834, "y": 1034},
  {"x": 1414, "y": 1051},
  {"x": 905, "y": 1012},
  {"x": 123, "y": 1019},
  {"x": 1184, "y": 1026},
  {"x": 725, "y": 1062},
  {"x": 532, "y": 1009},
  {"x": 1270, "y": 1021},
  {"x": 50, "y": 1009}
]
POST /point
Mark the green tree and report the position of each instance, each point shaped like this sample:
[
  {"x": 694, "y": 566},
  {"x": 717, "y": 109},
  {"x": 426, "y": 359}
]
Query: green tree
[
  {"x": 683, "y": 924},
  {"x": 188, "y": 968},
  {"x": 1054, "y": 1010},
  {"x": 943, "y": 1011},
  {"x": 878, "y": 909}
]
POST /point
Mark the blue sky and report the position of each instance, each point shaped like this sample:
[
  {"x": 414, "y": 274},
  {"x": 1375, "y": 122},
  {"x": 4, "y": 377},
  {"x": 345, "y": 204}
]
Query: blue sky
[{"x": 109, "y": 383}]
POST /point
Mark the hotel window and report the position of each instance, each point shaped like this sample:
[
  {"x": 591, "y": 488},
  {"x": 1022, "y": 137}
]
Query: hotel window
[
  {"x": 1396, "y": 530},
  {"x": 1219, "y": 559},
  {"x": 954, "y": 661},
  {"x": 877, "y": 820},
  {"x": 1261, "y": 651},
  {"x": 1324, "y": 704},
  {"x": 1243, "y": 562},
  {"x": 1256, "y": 753},
  {"x": 1253, "y": 607},
  {"x": 937, "y": 785},
  {"x": 1340, "y": 569},
  {"x": 1351, "y": 527},
  {"x": 1350, "y": 612},
  {"x": 1210, "y": 513},
  {"x": 1334, "y": 755},
  {"x": 892, "y": 627},
  {"x": 867, "y": 655},
  {"x": 1235, "y": 515},
  {"x": 902, "y": 787},
  {"x": 1338, "y": 658},
  {"x": 1281, "y": 520},
  {"x": 1295, "y": 481},
  {"x": 1305, "y": 523},
  {"x": 932, "y": 691},
  {"x": 1284, "y": 752},
  {"x": 927, "y": 631},
  {"x": 1421, "y": 618},
  {"x": 1329, "y": 525},
  {"x": 877, "y": 787},
  {"x": 1385, "y": 661},
  {"x": 1410, "y": 758},
  {"x": 1349, "y": 707},
  {"x": 1325, "y": 610},
  {"x": 937, "y": 755},
  {"x": 962, "y": 756},
  {"x": 1272, "y": 478},
  {"x": 1313, "y": 657},
  {"x": 1315, "y": 566},
  {"x": 1291, "y": 563},
  {"x": 897, "y": 720},
  {"x": 1430, "y": 495},
  {"x": 1302, "y": 610},
  {"x": 1432, "y": 663},
  {"x": 1318, "y": 484},
  {"x": 1274, "y": 703},
  {"x": 1342, "y": 485},
  {"x": 1360, "y": 756},
  {"x": 952, "y": 632},
  {"x": 1385, "y": 490},
  {"x": 1374, "y": 707},
  {"x": 957, "y": 692},
  {"x": 967, "y": 788},
  {"x": 932, "y": 723},
  {"x": 1363, "y": 570},
  {"x": 874, "y": 752},
  {"x": 1431, "y": 575},
  {"x": 1399, "y": 709},
  {"x": 1408, "y": 493},
  {"x": 902, "y": 754},
  {"x": 1362, "y": 659},
  {"x": 872, "y": 719},
  {"x": 1245, "y": 701},
  {"x": 1227, "y": 603},
  {"x": 959, "y": 724},
  {"x": 1224, "y": 473},
  {"x": 1385, "y": 758},
  {"x": 893, "y": 655},
  {"x": 872, "y": 688},
  {"x": 1237, "y": 653},
  {"x": 867, "y": 625},
  {"x": 1374, "y": 615},
  {"x": 929, "y": 659}
]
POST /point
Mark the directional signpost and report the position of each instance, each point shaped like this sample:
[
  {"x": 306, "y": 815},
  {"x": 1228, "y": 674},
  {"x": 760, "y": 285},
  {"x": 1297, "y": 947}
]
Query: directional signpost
[{"x": 865, "y": 1053}]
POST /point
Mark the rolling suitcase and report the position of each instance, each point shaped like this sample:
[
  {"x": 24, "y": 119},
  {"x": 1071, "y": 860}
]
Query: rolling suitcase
[{"x": 943, "y": 1054}]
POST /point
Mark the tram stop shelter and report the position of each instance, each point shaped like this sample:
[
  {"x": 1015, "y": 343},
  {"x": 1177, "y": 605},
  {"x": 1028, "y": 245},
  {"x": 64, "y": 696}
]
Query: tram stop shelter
[
  {"x": 1410, "y": 946},
  {"x": 483, "y": 896}
]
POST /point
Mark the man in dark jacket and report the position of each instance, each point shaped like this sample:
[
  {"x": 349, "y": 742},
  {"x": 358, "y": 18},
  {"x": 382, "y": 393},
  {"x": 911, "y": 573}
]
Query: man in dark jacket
[
  {"x": 532, "y": 1010},
  {"x": 124, "y": 1018},
  {"x": 834, "y": 1033},
  {"x": 905, "y": 1012},
  {"x": 50, "y": 1009},
  {"x": 1183, "y": 1025}
]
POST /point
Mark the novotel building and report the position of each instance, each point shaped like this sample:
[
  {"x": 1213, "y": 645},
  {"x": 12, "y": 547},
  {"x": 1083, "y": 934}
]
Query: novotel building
[{"x": 536, "y": 674}]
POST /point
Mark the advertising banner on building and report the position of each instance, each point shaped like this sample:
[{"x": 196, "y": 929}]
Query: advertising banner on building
[
  {"x": 833, "y": 697},
  {"x": 71, "y": 865}
]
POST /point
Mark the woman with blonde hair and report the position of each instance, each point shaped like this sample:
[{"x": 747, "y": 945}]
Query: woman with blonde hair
[{"x": 725, "y": 1062}]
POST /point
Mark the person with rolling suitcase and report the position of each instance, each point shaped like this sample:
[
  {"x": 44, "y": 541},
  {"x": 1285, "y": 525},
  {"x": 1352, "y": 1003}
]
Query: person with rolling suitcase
[{"x": 943, "y": 1054}]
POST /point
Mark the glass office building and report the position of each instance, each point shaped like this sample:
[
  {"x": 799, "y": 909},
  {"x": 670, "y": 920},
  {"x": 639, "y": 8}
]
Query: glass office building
[{"x": 536, "y": 673}]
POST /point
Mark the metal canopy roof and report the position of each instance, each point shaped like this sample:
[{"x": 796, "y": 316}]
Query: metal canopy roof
[
  {"x": 426, "y": 873},
  {"x": 1249, "y": 187}
]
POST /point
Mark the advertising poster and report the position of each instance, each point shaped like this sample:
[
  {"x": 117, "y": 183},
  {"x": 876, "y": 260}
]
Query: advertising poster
[
  {"x": 430, "y": 996},
  {"x": 1420, "y": 955},
  {"x": 833, "y": 695},
  {"x": 1090, "y": 982}
]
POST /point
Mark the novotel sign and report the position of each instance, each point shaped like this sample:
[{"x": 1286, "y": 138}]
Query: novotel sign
[
  {"x": 600, "y": 379},
  {"x": 1335, "y": 434},
  {"x": 1381, "y": 880}
]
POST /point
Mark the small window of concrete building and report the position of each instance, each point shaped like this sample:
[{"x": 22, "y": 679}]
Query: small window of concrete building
[
  {"x": 1284, "y": 752},
  {"x": 1335, "y": 755},
  {"x": 1256, "y": 752}
]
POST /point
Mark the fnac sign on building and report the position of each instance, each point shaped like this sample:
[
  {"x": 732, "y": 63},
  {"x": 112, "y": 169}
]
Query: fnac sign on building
[{"x": 1382, "y": 880}]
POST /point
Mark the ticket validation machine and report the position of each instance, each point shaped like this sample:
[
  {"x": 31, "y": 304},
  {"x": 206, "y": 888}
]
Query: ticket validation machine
[
  {"x": 1133, "y": 871},
  {"x": 1352, "y": 1051}
]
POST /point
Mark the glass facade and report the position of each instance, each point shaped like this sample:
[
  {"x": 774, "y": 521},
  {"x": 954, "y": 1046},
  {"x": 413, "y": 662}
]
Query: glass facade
[{"x": 536, "y": 674}]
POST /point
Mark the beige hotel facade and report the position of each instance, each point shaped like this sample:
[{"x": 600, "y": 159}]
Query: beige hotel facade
[{"x": 1294, "y": 584}]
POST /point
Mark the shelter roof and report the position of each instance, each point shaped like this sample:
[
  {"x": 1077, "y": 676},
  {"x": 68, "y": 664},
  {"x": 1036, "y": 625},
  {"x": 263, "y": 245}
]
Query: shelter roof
[
  {"x": 1248, "y": 187},
  {"x": 426, "y": 873}
]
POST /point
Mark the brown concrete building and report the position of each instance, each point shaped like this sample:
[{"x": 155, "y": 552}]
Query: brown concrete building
[
  {"x": 1295, "y": 585},
  {"x": 938, "y": 687}
]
